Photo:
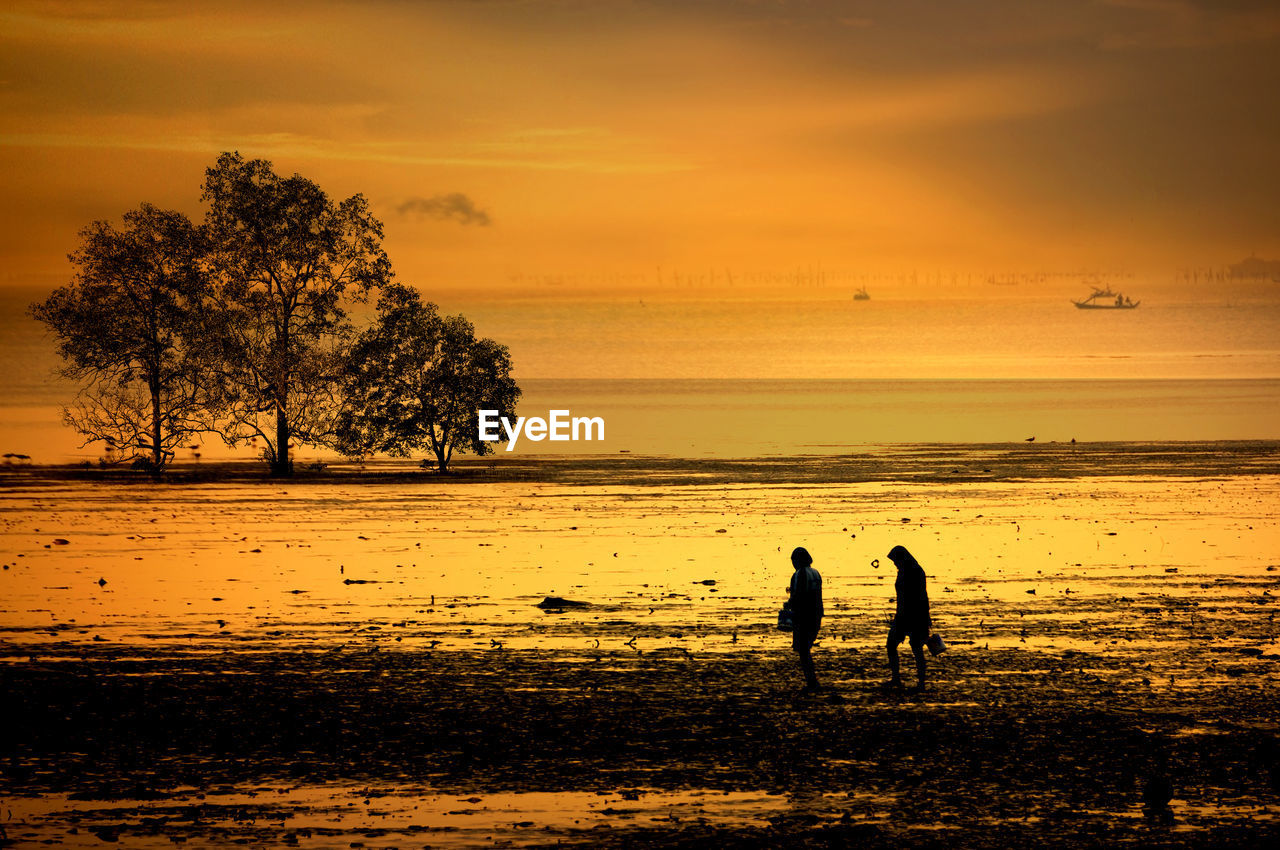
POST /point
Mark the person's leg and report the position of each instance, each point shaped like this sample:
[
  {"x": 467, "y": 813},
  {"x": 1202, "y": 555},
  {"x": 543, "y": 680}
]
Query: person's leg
[
  {"x": 806, "y": 666},
  {"x": 917, "y": 649},
  {"x": 895, "y": 638},
  {"x": 802, "y": 642}
]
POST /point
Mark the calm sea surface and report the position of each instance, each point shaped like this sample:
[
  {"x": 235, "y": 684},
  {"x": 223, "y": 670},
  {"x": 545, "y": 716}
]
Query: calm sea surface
[{"x": 693, "y": 374}]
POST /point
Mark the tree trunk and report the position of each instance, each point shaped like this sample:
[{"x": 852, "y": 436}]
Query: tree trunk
[
  {"x": 283, "y": 465},
  {"x": 157, "y": 452},
  {"x": 442, "y": 459}
]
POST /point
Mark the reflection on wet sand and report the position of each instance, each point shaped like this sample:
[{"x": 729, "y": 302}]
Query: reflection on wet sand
[
  {"x": 310, "y": 642},
  {"x": 314, "y": 815}
]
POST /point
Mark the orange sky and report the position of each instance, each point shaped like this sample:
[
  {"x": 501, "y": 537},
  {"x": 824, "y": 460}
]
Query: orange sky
[{"x": 506, "y": 140}]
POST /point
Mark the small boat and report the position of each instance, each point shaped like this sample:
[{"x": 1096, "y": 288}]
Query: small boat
[
  {"x": 861, "y": 295},
  {"x": 1105, "y": 299}
]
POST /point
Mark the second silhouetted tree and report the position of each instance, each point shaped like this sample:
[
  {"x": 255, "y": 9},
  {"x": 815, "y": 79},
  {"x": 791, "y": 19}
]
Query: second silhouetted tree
[{"x": 416, "y": 379}]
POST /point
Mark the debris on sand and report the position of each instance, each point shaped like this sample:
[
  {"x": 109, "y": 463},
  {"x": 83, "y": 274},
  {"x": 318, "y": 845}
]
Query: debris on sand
[
  {"x": 707, "y": 581},
  {"x": 61, "y": 541},
  {"x": 1157, "y": 791},
  {"x": 553, "y": 602},
  {"x": 360, "y": 581}
]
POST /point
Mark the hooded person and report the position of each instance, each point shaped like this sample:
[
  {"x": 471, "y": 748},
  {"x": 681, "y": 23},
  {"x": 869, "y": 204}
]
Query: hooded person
[
  {"x": 805, "y": 602},
  {"x": 911, "y": 618}
]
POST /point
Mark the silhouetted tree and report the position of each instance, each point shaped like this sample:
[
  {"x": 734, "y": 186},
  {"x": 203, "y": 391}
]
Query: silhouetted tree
[
  {"x": 286, "y": 260},
  {"x": 415, "y": 380},
  {"x": 129, "y": 327}
]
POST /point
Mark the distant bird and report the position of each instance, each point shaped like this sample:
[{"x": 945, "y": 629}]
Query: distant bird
[
  {"x": 1029, "y": 440},
  {"x": 102, "y": 582}
]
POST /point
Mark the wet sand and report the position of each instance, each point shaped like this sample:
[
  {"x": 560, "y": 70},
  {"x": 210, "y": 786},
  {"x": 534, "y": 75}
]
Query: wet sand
[{"x": 358, "y": 660}]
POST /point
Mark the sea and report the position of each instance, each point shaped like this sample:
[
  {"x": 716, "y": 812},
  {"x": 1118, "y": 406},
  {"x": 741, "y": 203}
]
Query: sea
[{"x": 742, "y": 374}]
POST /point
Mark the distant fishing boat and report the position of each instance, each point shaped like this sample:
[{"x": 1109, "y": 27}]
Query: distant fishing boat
[
  {"x": 861, "y": 295},
  {"x": 1105, "y": 299}
]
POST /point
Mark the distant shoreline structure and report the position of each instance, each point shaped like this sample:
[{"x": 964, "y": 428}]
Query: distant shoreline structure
[{"x": 1255, "y": 267}]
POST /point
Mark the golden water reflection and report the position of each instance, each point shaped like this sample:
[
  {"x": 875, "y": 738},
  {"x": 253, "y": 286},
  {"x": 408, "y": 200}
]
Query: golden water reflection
[{"x": 1116, "y": 564}]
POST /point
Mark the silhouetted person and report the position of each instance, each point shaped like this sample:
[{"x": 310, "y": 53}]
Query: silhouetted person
[
  {"x": 911, "y": 619},
  {"x": 806, "y": 612}
]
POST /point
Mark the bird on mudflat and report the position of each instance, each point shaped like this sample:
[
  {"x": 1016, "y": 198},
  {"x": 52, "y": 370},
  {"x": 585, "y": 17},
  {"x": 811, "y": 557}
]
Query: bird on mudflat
[{"x": 1029, "y": 440}]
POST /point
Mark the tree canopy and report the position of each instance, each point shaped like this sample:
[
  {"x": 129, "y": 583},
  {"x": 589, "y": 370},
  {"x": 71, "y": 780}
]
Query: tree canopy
[
  {"x": 130, "y": 328},
  {"x": 415, "y": 380},
  {"x": 286, "y": 261},
  {"x": 240, "y": 327}
]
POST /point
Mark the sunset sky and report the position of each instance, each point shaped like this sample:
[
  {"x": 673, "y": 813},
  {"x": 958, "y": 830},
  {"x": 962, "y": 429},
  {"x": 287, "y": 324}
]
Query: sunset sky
[{"x": 502, "y": 141}]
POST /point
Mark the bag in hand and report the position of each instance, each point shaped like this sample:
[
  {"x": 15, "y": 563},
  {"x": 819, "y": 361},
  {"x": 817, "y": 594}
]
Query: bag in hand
[
  {"x": 935, "y": 644},
  {"x": 785, "y": 623}
]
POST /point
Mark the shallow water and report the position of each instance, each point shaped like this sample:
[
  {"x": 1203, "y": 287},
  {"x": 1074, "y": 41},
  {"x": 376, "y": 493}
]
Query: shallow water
[
  {"x": 318, "y": 815},
  {"x": 741, "y": 374},
  {"x": 220, "y": 566},
  {"x": 330, "y": 815}
]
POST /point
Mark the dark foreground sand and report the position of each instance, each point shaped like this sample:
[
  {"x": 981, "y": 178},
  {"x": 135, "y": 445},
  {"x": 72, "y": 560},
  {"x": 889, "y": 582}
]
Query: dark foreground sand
[{"x": 1005, "y": 749}]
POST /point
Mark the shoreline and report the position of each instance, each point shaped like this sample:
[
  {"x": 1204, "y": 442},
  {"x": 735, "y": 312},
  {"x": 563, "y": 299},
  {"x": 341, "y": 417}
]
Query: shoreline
[{"x": 919, "y": 462}]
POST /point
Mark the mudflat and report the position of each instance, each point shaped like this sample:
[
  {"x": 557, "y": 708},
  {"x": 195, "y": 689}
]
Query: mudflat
[{"x": 360, "y": 658}]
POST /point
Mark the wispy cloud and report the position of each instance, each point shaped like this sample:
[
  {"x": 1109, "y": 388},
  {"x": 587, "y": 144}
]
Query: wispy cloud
[
  {"x": 279, "y": 145},
  {"x": 454, "y": 206}
]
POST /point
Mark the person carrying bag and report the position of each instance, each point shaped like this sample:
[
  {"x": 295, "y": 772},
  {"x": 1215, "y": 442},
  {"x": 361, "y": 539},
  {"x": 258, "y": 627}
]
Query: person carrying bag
[{"x": 803, "y": 613}]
